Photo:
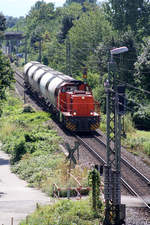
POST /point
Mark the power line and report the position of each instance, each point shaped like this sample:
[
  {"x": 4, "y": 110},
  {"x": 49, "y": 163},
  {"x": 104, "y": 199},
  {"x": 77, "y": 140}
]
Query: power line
[{"x": 136, "y": 88}]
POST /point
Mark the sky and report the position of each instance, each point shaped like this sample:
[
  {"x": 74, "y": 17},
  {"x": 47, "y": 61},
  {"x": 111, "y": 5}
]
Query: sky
[{"x": 17, "y": 8}]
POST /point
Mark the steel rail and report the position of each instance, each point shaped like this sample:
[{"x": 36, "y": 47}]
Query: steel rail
[
  {"x": 95, "y": 154},
  {"x": 22, "y": 85},
  {"x": 98, "y": 157},
  {"x": 145, "y": 179},
  {"x": 133, "y": 169},
  {"x": 19, "y": 75}
]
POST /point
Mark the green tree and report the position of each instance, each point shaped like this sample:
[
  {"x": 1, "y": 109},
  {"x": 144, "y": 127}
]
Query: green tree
[
  {"x": 39, "y": 15},
  {"x": 124, "y": 13},
  {"x": 68, "y": 2},
  {"x": 144, "y": 21},
  {"x": 6, "y": 77},
  {"x": 67, "y": 23},
  {"x": 70, "y": 13},
  {"x": 87, "y": 33},
  {"x": 2, "y": 24},
  {"x": 42, "y": 19},
  {"x": 11, "y": 21},
  {"x": 142, "y": 67},
  {"x": 6, "y": 73},
  {"x": 94, "y": 181}
]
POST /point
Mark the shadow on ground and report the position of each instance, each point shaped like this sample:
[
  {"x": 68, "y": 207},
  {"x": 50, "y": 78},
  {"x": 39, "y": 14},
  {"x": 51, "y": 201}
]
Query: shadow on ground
[{"x": 4, "y": 161}]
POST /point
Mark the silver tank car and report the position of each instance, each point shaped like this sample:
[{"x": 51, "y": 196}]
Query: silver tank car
[{"x": 45, "y": 80}]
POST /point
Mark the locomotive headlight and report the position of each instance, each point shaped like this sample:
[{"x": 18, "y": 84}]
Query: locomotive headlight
[
  {"x": 91, "y": 113},
  {"x": 74, "y": 113}
]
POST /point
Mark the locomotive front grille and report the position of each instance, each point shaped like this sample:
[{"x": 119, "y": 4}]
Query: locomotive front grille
[{"x": 83, "y": 124}]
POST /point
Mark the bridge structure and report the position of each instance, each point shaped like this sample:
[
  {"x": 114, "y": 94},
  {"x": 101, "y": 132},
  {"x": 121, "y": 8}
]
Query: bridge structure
[
  {"x": 14, "y": 35},
  {"x": 12, "y": 40}
]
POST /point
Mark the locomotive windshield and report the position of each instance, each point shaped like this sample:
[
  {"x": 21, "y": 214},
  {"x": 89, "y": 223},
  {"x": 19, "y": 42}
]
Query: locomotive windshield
[
  {"x": 69, "y": 88},
  {"x": 73, "y": 88}
]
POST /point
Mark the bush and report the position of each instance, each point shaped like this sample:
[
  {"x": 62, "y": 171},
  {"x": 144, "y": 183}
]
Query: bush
[
  {"x": 28, "y": 109},
  {"x": 142, "y": 118},
  {"x": 18, "y": 151},
  {"x": 38, "y": 170}
]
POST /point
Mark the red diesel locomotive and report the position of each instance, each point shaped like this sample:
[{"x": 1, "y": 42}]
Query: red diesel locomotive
[{"x": 72, "y": 100}]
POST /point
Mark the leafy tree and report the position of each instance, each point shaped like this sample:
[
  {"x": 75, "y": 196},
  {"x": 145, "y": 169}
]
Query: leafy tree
[
  {"x": 142, "y": 67},
  {"x": 69, "y": 2},
  {"x": 70, "y": 13},
  {"x": 124, "y": 13},
  {"x": 2, "y": 24},
  {"x": 11, "y": 21},
  {"x": 6, "y": 76},
  {"x": 126, "y": 61},
  {"x": 40, "y": 21},
  {"x": 144, "y": 21},
  {"x": 40, "y": 14},
  {"x": 67, "y": 23},
  {"x": 86, "y": 34}
]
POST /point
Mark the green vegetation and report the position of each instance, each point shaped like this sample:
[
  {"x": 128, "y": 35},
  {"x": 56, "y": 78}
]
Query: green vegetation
[
  {"x": 138, "y": 142},
  {"x": 94, "y": 182},
  {"x": 28, "y": 137},
  {"x": 6, "y": 73},
  {"x": 65, "y": 212},
  {"x": 6, "y": 77},
  {"x": 135, "y": 141},
  {"x": 31, "y": 142}
]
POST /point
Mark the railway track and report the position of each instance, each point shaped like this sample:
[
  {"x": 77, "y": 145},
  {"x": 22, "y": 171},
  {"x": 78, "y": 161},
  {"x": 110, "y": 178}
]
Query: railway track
[
  {"x": 131, "y": 179},
  {"x": 19, "y": 78}
]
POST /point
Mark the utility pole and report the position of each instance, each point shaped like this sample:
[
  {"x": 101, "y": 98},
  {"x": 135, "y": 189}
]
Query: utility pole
[
  {"x": 25, "y": 55},
  {"x": 115, "y": 212},
  {"x": 68, "y": 68},
  {"x": 40, "y": 51}
]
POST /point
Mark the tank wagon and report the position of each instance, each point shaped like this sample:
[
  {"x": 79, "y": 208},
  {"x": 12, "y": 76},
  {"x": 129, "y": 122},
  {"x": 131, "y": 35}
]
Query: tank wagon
[{"x": 71, "y": 100}]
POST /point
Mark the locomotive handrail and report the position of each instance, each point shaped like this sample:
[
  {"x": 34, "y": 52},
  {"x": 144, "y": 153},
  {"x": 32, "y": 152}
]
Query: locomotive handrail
[{"x": 78, "y": 103}]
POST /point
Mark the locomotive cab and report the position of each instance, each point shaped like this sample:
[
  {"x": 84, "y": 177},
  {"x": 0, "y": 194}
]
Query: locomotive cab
[{"x": 78, "y": 108}]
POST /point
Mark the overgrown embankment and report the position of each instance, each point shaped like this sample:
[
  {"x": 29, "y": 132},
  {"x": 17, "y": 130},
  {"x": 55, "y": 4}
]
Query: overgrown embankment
[
  {"x": 28, "y": 136},
  {"x": 135, "y": 141}
]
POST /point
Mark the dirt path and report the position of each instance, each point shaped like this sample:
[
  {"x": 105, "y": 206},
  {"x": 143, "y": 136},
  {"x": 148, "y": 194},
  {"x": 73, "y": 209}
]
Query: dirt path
[{"x": 16, "y": 199}]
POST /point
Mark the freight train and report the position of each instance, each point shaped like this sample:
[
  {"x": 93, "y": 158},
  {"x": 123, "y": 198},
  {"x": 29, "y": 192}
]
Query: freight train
[{"x": 71, "y": 100}]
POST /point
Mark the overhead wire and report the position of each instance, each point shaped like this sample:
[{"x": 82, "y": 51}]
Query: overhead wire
[{"x": 136, "y": 88}]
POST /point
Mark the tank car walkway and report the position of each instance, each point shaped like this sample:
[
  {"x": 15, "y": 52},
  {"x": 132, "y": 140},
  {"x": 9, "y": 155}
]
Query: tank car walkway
[{"x": 16, "y": 199}]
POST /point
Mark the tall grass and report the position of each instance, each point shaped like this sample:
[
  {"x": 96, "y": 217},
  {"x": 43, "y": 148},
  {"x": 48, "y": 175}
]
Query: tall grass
[
  {"x": 128, "y": 124},
  {"x": 65, "y": 212},
  {"x": 139, "y": 142},
  {"x": 6, "y": 129}
]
